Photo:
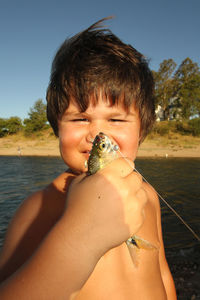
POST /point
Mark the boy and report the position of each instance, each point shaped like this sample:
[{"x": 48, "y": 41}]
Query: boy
[{"x": 67, "y": 241}]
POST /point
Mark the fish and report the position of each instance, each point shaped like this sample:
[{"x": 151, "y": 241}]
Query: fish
[{"x": 103, "y": 152}]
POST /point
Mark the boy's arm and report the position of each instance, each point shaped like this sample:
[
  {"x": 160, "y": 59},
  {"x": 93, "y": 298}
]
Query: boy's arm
[
  {"x": 68, "y": 254},
  {"x": 26, "y": 230},
  {"x": 164, "y": 268},
  {"x": 59, "y": 267}
]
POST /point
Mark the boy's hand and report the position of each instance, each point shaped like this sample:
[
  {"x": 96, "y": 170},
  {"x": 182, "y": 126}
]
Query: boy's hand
[{"x": 108, "y": 206}]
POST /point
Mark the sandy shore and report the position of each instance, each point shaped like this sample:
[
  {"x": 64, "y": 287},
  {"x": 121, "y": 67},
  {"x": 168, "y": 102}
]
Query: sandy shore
[
  {"x": 150, "y": 149},
  {"x": 29, "y": 147},
  {"x": 50, "y": 147}
]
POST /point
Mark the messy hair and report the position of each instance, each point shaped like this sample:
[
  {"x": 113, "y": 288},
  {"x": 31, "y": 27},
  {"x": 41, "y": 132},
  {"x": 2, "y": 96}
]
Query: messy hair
[{"x": 96, "y": 60}]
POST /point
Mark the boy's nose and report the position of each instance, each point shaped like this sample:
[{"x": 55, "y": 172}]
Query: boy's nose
[
  {"x": 91, "y": 135},
  {"x": 94, "y": 129}
]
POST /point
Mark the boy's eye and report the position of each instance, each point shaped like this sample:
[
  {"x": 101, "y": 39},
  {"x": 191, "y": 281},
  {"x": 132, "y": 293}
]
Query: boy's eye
[
  {"x": 80, "y": 120},
  {"x": 116, "y": 120}
]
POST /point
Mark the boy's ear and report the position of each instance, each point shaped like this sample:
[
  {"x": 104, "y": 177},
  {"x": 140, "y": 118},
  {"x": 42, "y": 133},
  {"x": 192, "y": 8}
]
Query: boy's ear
[{"x": 141, "y": 138}]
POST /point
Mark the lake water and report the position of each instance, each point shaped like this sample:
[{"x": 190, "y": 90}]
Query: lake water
[{"x": 176, "y": 179}]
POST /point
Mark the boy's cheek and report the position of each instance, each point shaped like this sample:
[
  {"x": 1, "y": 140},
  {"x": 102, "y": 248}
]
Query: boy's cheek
[
  {"x": 64, "y": 134},
  {"x": 69, "y": 141},
  {"x": 129, "y": 147}
]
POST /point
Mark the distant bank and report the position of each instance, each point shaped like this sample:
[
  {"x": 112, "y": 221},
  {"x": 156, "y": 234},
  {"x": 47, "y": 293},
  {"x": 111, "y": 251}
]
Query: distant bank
[{"x": 47, "y": 145}]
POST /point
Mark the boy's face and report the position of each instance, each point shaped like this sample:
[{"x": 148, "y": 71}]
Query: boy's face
[{"x": 77, "y": 131}]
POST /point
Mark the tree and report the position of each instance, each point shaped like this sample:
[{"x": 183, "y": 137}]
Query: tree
[
  {"x": 165, "y": 85},
  {"x": 187, "y": 79},
  {"x": 37, "y": 118},
  {"x": 10, "y": 126},
  {"x": 3, "y": 127},
  {"x": 14, "y": 125}
]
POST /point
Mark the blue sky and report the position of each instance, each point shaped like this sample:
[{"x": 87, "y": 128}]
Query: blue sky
[{"x": 31, "y": 32}]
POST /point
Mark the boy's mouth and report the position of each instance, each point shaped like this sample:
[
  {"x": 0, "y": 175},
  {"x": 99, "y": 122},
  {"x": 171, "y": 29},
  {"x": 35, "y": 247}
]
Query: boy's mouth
[{"x": 86, "y": 153}]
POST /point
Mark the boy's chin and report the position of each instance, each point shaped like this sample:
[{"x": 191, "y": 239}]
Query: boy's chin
[
  {"x": 86, "y": 155},
  {"x": 74, "y": 171},
  {"x": 78, "y": 170}
]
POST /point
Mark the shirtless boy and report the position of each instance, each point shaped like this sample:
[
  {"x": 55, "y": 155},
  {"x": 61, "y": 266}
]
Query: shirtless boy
[{"x": 68, "y": 240}]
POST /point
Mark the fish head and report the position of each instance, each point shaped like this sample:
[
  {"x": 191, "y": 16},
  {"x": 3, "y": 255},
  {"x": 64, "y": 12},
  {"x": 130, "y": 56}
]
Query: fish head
[{"x": 103, "y": 145}]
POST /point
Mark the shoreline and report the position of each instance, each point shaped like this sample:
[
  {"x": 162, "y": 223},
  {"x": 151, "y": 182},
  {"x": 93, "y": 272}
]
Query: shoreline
[{"x": 50, "y": 148}]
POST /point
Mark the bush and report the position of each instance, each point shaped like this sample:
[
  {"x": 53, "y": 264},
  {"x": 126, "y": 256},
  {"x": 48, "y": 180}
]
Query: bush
[
  {"x": 191, "y": 127},
  {"x": 161, "y": 128},
  {"x": 3, "y": 127},
  {"x": 10, "y": 126},
  {"x": 194, "y": 125},
  {"x": 14, "y": 125},
  {"x": 187, "y": 127},
  {"x": 183, "y": 128}
]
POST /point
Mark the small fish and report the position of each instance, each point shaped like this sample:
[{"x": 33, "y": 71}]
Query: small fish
[{"x": 103, "y": 152}]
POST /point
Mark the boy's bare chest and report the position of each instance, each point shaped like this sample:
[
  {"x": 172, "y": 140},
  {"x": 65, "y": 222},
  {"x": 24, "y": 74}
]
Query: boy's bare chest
[{"x": 115, "y": 277}]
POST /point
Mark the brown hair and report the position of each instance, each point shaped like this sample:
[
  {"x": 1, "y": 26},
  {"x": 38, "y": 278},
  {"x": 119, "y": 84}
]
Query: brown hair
[{"x": 93, "y": 60}]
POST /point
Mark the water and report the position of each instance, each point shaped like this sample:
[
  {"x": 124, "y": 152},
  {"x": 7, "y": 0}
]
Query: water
[
  {"x": 20, "y": 176},
  {"x": 176, "y": 179}
]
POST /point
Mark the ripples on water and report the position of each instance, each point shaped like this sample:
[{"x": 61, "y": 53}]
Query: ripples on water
[{"x": 177, "y": 180}]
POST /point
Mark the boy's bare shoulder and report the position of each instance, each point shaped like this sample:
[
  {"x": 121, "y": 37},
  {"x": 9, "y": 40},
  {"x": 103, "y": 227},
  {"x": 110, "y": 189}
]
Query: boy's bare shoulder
[
  {"x": 62, "y": 182},
  {"x": 48, "y": 201},
  {"x": 43, "y": 206},
  {"x": 45, "y": 201},
  {"x": 32, "y": 221}
]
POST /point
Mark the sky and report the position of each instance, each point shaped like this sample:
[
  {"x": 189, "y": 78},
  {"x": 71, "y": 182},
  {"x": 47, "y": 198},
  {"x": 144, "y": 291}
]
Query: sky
[{"x": 32, "y": 31}]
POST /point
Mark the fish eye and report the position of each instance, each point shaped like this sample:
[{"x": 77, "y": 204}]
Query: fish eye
[{"x": 102, "y": 146}]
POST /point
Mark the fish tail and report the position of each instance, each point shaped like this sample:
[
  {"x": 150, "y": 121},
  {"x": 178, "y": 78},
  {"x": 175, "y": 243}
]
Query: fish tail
[
  {"x": 140, "y": 243},
  {"x": 134, "y": 244}
]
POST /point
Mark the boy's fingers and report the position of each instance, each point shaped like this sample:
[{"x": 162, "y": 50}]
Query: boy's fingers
[
  {"x": 142, "y": 196},
  {"x": 121, "y": 166},
  {"x": 135, "y": 180}
]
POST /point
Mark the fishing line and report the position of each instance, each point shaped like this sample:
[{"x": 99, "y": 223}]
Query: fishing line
[{"x": 116, "y": 148}]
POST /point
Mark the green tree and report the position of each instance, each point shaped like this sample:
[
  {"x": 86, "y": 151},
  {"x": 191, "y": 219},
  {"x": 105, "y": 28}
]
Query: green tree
[
  {"x": 37, "y": 118},
  {"x": 14, "y": 125},
  {"x": 3, "y": 127},
  {"x": 10, "y": 126},
  {"x": 165, "y": 85},
  {"x": 187, "y": 79}
]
